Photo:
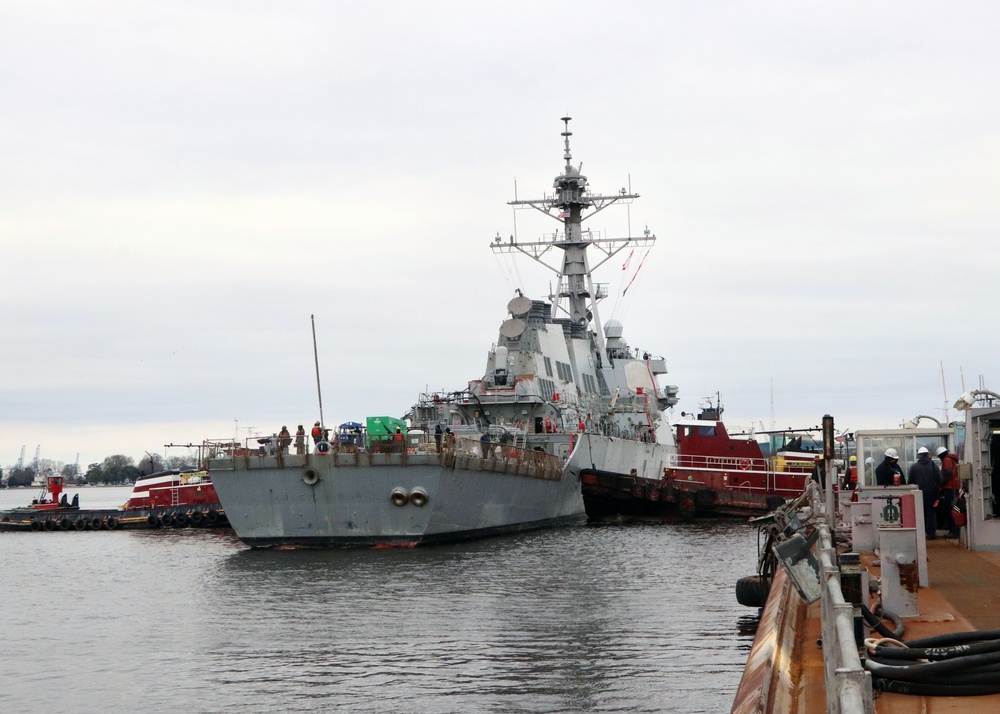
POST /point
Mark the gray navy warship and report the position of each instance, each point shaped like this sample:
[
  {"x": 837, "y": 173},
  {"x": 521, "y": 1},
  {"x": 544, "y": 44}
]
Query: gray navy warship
[{"x": 560, "y": 393}]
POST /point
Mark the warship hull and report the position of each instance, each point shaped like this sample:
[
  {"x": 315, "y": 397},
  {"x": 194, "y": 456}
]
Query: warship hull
[{"x": 392, "y": 499}]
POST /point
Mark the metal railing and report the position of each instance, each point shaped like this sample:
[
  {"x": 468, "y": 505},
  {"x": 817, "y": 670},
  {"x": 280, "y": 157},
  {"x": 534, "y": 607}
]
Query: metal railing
[
  {"x": 464, "y": 453},
  {"x": 848, "y": 686},
  {"x": 745, "y": 474}
]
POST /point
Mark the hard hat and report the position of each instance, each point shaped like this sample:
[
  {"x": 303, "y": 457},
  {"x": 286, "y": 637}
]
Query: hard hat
[
  {"x": 941, "y": 450},
  {"x": 891, "y": 453},
  {"x": 922, "y": 450},
  {"x": 854, "y": 459},
  {"x": 869, "y": 461}
]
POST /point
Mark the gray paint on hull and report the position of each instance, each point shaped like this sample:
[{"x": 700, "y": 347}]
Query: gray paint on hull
[{"x": 350, "y": 504}]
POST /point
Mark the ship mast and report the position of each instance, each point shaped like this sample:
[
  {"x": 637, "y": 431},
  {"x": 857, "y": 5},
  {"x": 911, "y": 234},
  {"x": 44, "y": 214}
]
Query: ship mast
[{"x": 571, "y": 200}]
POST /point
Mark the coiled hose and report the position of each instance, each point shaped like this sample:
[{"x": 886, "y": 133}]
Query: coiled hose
[{"x": 953, "y": 665}]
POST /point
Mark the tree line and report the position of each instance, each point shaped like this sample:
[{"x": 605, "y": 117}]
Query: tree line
[{"x": 116, "y": 469}]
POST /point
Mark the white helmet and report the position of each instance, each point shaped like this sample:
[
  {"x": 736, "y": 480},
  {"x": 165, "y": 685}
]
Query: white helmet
[
  {"x": 941, "y": 450},
  {"x": 891, "y": 453},
  {"x": 922, "y": 450}
]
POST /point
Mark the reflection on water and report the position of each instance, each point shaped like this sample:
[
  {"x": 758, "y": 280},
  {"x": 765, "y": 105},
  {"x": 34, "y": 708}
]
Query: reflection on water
[{"x": 638, "y": 618}]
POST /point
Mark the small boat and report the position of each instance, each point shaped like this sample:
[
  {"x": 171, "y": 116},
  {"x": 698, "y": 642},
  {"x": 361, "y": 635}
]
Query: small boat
[
  {"x": 166, "y": 499},
  {"x": 174, "y": 498},
  {"x": 713, "y": 473}
]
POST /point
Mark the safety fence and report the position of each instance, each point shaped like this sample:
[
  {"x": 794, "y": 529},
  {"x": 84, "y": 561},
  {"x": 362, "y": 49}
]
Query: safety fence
[
  {"x": 848, "y": 686},
  {"x": 458, "y": 453}
]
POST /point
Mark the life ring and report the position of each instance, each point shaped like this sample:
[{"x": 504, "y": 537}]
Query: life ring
[
  {"x": 322, "y": 447},
  {"x": 311, "y": 476},
  {"x": 418, "y": 497},
  {"x": 399, "y": 497},
  {"x": 745, "y": 464}
]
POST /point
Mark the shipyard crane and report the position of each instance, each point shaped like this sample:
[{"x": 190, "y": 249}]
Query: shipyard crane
[
  {"x": 20, "y": 459},
  {"x": 34, "y": 464}
]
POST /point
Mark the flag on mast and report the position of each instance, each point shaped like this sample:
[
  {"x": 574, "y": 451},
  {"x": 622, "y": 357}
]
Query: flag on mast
[
  {"x": 633, "y": 277},
  {"x": 628, "y": 260}
]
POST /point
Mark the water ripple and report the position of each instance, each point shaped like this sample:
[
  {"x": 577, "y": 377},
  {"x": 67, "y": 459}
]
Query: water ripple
[{"x": 586, "y": 619}]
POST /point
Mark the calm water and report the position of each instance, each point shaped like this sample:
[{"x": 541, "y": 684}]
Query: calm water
[{"x": 631, "y": 618}]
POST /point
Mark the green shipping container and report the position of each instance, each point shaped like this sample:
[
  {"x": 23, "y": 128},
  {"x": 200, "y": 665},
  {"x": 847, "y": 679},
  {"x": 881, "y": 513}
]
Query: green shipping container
[{"x": 383, "y": 428}]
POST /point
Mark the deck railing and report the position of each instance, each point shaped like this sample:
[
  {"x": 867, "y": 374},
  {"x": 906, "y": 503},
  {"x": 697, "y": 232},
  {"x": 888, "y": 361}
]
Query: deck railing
[
  {"x": 464, "y": 453},
  {"x": 848, "y": 686},
  {"x": 745, "y": 474}
]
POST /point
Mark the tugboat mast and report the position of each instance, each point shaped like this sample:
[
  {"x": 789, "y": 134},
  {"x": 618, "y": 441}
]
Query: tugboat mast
[{"x": 568, "y": 204}]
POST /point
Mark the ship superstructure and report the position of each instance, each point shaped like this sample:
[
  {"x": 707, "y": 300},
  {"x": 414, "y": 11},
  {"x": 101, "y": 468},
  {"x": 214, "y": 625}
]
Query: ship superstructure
[{"x": 554, "y": 369}]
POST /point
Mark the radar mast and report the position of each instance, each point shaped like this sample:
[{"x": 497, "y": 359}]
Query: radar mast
[{"x": 572, "y": 203}]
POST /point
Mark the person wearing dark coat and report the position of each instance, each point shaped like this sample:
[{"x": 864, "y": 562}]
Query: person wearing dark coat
[
  {"x": 925, "y": 475},
  {"x": 886, "y": 471}
]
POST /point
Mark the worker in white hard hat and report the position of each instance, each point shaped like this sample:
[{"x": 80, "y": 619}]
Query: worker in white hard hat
[
  {"x": 925, "y": 475},
  {"x": 889, "y": 472},
  {"x": 949, "y": 491}
]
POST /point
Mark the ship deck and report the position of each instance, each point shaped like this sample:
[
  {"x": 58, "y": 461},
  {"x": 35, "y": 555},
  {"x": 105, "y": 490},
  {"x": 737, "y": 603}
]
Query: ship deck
[{"x": 964, "y": 595}]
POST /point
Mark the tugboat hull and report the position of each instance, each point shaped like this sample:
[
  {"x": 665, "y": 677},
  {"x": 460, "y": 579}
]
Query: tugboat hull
[{"x": 70, "y": 519}]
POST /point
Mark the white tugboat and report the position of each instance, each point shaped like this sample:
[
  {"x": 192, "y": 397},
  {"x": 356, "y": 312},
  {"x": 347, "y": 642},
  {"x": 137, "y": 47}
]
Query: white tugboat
[{"x": 560, "y": 394}]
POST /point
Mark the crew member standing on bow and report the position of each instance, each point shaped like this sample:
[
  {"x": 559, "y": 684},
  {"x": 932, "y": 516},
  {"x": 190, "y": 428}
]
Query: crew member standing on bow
[
  {"x": 889, "y": 473},
  {"x": 949, "y": 474},
  {"x": 925, "y": 475},
  {"x": 300, "y": 441},
  {"x": 317, "y": 433}
]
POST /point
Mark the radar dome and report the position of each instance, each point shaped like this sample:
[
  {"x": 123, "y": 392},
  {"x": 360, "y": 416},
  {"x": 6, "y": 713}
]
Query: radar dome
[
  {"x": 613, "y": 328},
  {"x": 519, "y": 306},
  {"x": 512, "y": 328}
]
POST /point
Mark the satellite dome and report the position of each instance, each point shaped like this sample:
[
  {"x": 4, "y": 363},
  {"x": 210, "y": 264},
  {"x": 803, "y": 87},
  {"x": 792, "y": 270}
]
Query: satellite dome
[{"x": 613, "y": 328}]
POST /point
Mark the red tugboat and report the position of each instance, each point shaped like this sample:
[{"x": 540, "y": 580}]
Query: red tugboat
[
  {"x": 712, "y": 474},
  {"x": 174, "y": 498},
  {"x": 161, "y": 500}
]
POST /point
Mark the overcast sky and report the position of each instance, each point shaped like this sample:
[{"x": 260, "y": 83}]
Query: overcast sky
[{"x": 182, "y": 184}]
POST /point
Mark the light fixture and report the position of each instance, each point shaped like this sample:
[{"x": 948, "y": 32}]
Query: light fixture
[
  {"x": 968, "y": 399},
  {"x": 915, "y": 421},
  {"x": 965, "y": 402}
]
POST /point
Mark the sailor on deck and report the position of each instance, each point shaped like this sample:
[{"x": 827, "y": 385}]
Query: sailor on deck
[{"x": 889, "y": 472}]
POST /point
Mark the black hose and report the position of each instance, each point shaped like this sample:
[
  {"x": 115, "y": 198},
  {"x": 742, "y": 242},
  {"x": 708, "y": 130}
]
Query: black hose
[
  {"x": 935, "y": 653},
  {"x": 935, "y": 690},
  {"x": 876, "y": 622},
  {"x": 956, "y": 664},
  {"x": 955, "y": 638},
  {"x": 916, "y": 672}
]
